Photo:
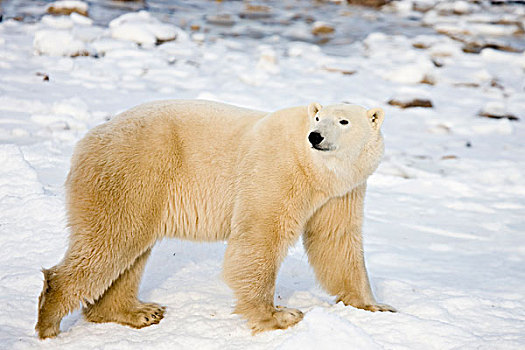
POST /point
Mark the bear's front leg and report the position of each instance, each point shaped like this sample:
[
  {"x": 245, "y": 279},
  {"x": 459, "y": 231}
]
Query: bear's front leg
[
  {"x": 250, "y": 268},
  {"x": 333, "y": 242}
]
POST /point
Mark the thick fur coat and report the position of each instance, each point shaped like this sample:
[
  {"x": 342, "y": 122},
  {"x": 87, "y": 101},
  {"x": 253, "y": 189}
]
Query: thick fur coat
[{"x": 208, "y": 171}]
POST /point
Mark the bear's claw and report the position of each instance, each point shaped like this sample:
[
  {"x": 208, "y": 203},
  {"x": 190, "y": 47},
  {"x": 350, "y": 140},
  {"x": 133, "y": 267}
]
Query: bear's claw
[{"x": 379, "y": 307}]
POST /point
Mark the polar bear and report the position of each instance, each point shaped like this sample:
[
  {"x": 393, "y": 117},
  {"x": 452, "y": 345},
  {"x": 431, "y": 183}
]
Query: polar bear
[{"x": 207, "y": 171}]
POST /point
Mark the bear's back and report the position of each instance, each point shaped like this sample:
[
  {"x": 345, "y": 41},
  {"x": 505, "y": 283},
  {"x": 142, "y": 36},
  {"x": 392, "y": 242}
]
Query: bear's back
[{"x": 175, "y": 155}]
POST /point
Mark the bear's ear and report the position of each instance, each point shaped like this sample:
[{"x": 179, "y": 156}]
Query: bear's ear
[
  {"x": 376, "y": 117},
  {"x": 313, "y": 108}
]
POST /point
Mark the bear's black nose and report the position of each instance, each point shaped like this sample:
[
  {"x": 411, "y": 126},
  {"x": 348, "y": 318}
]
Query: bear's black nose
[{"x": 315, "y": 138}]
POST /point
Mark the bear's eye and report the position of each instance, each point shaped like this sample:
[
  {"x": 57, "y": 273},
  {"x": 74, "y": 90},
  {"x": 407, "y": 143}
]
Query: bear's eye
[
  {"x": 343, "y": 122},
  {"x": 316, "y": 119}
]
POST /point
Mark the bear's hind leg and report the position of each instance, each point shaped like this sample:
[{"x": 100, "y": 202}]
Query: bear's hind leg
[
  {"x": 87, "y": 271},
  {"x": 119, "y": 303},
  {"x": 51, "y": 306}
]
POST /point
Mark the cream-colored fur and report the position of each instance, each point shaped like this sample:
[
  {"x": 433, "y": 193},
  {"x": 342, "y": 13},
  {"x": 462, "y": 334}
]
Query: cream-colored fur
[{"x": 207, "y": 171}]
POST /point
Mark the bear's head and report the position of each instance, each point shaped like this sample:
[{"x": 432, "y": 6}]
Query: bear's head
[{"x": 345, "y": 131}]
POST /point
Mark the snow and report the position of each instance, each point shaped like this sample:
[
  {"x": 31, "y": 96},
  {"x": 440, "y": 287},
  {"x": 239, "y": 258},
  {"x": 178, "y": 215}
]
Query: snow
[
  {"x": 79, "y": 19},
  {"x": 141, "y": 28},
  {"x": 444, "y": 227},
  {"x": 57, "y": 43}
]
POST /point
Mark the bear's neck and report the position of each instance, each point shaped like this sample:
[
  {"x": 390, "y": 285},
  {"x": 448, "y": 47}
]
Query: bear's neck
[{"x": 337, "y": 176}]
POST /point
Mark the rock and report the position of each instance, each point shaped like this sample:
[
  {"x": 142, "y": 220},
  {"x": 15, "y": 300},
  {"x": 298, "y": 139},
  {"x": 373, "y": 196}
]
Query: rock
[
  {"x": 461, "y": 8},
  {"x": 303, "y": 17},
  {"x": 440, "y": 129},
  {"x": 420, "y": 45},
  {"x": 221, "y": 19},
  {"x": 428, "y": 79},
  {"x": 468, "y": 85},
  {"x": 451, "y": 30},
  {"x": 322, "y": 28},
  {"x": 437, "y": 62},
  {"x": 473, "y": 28},
  {"x": 499, "y": 116},
  {"x": 449, "y": 156},
  {"x": 496, "y": 84},
  {"x": 475, "y": 44},
  {"x": 496, "y": 110},
  {"x": 67, "y": 7},
  {"x": 339, "y": 70},
  {"x": 476, "y": 47},
  {"x": 142, "y": 28},
  {"x": 369, "y": 3},
  {"x": 409, "y": 103},
  {"x": 506, "y": 2},
  {"x": 445, "y": 50},
  {"x": 256, "y": 12},
  {"x": 423, "y": 6},
  {"x": 44, "y": 76}
]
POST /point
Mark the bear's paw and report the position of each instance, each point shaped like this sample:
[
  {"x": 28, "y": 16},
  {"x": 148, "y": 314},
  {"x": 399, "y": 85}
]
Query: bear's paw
[
  {"x": 139, "y": 315},
  {"x": 281, "y": 318}
]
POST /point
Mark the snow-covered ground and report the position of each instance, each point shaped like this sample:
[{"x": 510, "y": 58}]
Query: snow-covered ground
[{"x": 445, "y": 212}]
